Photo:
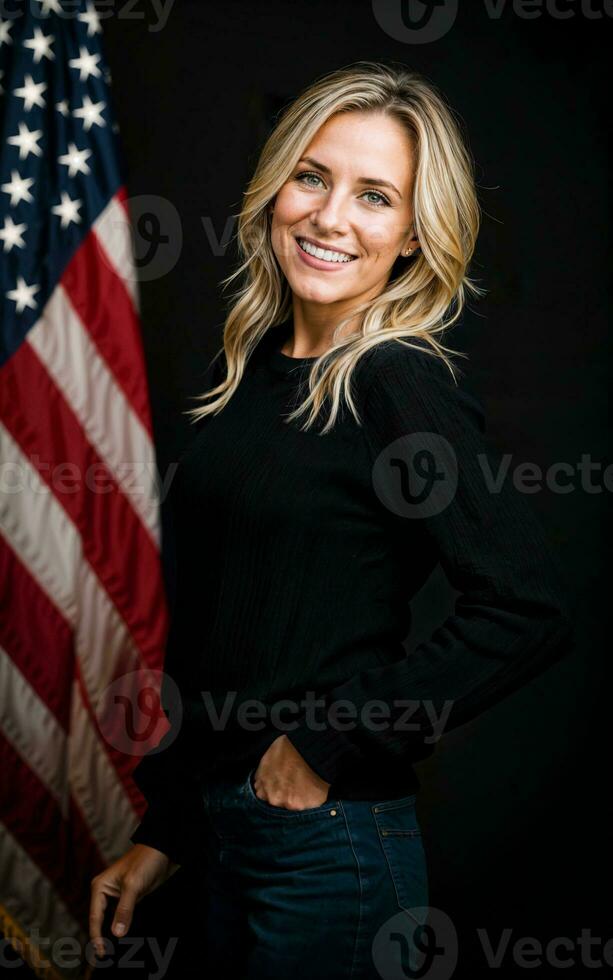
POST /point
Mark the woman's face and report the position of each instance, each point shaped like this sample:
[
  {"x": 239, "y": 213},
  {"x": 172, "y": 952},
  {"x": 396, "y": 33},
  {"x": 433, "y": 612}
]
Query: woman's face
[{"x": 350, "y": 195}]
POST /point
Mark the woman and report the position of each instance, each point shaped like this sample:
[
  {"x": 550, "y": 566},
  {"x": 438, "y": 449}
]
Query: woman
[{"x": 336, "y": 461}]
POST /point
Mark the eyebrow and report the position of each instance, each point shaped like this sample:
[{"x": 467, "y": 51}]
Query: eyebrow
[{"x": 361, "y": 180}]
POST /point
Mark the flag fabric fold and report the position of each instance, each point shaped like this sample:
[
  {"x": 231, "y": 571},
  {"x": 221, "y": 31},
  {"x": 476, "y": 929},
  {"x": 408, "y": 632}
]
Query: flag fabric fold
[{"x": 83, "y": 613}]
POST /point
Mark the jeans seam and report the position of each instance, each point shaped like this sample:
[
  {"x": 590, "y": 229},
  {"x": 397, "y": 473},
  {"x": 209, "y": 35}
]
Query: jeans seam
[
  {"x": 390, "y": 863},
  {"x": 354, "y": 957}
]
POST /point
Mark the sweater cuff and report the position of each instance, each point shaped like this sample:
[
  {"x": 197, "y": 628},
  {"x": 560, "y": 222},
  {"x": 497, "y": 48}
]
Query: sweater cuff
[
  {"x": 327, "y": 752},
  {"x": 174, "y": 830},
  {"x": 154, "y": 833},
  {"x": 173, "y": 822}
]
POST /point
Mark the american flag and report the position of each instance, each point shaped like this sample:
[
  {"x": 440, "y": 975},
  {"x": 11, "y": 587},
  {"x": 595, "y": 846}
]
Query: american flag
[{"x": 83, "y": 614}]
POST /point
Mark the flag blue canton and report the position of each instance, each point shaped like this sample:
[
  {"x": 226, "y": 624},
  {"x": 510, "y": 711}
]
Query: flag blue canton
[{"x": 59, "y": 151}]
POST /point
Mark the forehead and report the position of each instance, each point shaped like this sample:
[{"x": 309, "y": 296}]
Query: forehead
[{"x": 364, "y": 144}]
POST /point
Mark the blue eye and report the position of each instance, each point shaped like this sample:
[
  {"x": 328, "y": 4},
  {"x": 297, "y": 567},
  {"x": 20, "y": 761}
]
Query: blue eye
[
  {"x": 306, "y": 173},
  {"x": 380, "y": 203}
]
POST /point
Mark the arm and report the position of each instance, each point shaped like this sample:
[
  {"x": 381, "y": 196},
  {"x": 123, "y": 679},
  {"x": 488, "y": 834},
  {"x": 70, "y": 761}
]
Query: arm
[
  {"x": 509, "y": 623},
  {"x": 167, "y": 777},
  {"x": 173, "y": 797}
]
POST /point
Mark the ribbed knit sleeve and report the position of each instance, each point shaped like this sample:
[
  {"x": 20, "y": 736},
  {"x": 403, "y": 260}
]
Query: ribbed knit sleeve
[
  {"x": 173, "y": 820},
  {"x": 430, "y": 468},
  {"x": 168, "y": 776}
]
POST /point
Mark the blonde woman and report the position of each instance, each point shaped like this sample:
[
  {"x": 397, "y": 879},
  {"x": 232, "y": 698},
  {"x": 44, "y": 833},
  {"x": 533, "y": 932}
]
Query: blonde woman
[{"x": 336, "y": 460}]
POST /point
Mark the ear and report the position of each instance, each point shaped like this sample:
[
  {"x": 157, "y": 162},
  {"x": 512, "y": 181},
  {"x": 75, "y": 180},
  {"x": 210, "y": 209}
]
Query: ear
[{"x": 409, "y": 247}]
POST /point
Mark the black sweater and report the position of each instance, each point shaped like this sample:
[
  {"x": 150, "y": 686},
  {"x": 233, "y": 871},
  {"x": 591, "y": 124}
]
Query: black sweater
[{"x": 296, "y": 557}]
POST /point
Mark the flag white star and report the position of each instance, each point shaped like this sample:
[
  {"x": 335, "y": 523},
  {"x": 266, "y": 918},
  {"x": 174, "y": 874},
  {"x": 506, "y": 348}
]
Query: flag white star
[
  {"x": 68, "y": 210},
  {"x": 75, "y": 159},
  {"x": 26, "y": 141},
  {"x": 11, "y": 234},
  {"x": 47, "y": 5},
  {"x": 31, "y": 93},
  {"x": 5, "y": 37},
  {"x": 18, "y": 188},
  {"x": 41, "y": 45},
  {"x": 63, "y": 107},
  {"x": 90, "y": 113},
  {"x": 23, "y": 295},
  {"x": 86, "y": 63},
  {"x": 92, "y": 19}
]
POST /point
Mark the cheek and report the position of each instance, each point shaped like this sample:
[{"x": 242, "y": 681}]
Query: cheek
[
  {"x": 287, "y": 213},
  {"x": 289, "y": 206},
  {"x": 380, "y": 237}
]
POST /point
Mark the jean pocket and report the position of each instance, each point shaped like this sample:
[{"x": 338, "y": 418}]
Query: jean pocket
[
  {"x": 397, "y": 817},
  {"x": 401, "y": 840},
  {"x": 329, "y": 807}
]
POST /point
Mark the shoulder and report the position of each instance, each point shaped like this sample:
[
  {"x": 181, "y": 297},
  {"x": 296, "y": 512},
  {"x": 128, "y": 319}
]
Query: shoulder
[
  {"x": 405, "y": 357},
  {"x": 410, "y": 378},
  {"x": 397, "y": 365}
]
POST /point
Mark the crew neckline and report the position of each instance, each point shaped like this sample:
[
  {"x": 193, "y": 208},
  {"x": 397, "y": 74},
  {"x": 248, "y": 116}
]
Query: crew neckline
[{"x": 285, "y": 362}]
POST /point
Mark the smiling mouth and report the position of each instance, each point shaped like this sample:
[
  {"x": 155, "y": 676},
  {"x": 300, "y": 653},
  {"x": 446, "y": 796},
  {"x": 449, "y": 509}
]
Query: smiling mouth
[{"x": 324, "y": 254}]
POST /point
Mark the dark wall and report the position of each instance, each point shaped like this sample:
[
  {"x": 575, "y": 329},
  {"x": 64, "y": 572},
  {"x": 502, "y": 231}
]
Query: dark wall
[{"x": 513, "y": 804}]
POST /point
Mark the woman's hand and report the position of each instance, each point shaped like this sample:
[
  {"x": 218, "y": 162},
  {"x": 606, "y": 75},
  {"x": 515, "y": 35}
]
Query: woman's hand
[
  {"x": 284, "y": 779},
  {"x": 139, "y": 871}
]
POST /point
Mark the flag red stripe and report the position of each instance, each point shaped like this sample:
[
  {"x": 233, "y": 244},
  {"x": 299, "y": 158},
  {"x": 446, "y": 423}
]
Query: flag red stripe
[
  {"x": 29, "y": 624},
  {"x": 122, "y": 196},
  {"x": 61, "y": 848},
  {"x": 35, "y": 624},
  {"x": 115, "y": 541},
  {"x": 123, "y": 762},
  {"x": 103, "y": 303}
]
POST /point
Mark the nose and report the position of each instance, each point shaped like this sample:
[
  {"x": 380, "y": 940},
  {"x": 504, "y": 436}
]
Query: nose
[{"x": 330, "y": 216}]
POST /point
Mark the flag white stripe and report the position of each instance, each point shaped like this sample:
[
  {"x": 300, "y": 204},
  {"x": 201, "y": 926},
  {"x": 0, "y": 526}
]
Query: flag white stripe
[
  {"x": 48, "y": 543},
  {"x": 96, "y": 787},
  {"x": 33, "y": 730},
  {"x": 62, "y": 763},
  {"x": 31, "y": 898},
  {"x": 65, "y": 348},
  {"x": 114, "y": 239},
  {"x": 38, "y": 528}
]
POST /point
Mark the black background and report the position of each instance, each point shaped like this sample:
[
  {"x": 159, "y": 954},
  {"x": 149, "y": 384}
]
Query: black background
[{"x": 513, "y": 806}]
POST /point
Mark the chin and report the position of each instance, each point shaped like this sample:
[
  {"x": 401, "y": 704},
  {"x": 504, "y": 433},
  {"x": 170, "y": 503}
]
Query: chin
[
  {"x": 315, "y": 292},
  {"x": 323, "y": 296}
]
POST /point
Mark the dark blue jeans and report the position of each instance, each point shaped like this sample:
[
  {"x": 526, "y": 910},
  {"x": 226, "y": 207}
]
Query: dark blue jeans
[{"x": 333, "y": 892}]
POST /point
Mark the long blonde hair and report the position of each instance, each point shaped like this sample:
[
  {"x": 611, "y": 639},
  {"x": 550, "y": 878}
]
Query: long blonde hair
[{"x": 424, "y": 295}]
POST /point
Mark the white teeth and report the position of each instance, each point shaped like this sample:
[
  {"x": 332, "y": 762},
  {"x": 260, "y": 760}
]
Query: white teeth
[{"x": 325, "y": 254}]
